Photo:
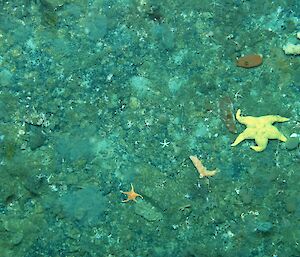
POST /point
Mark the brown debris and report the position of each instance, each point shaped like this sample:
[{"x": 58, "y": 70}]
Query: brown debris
[
  {"x": 226, "y": 113},
  {"x": 249, "y": 61}
]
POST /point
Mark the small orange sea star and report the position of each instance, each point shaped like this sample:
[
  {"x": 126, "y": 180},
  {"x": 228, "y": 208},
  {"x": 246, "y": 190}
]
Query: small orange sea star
[{"x": 131, "y": 195}]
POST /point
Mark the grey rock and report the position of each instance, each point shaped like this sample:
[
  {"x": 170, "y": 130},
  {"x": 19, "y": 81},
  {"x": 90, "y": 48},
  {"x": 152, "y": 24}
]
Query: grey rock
[
  {"x": 36, "y": 139},
  {"x": 292, "y": 143},
  {"x": 147, "y": 211},
  {"x": 264, "y": 226}
]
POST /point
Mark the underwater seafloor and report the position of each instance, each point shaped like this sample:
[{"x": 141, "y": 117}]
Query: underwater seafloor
[{"x": 98, "y": 95}]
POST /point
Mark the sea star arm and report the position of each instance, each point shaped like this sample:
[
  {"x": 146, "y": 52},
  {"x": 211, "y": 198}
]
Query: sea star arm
[
  {"x": 246, "y": 120},
  {"x": 261, "y": 142},
  {"x": 282, "y": 137},
  {"x": 239, "y": 117},
  {"x": 274, "y": 133},
  {"x": 244, "y": 135},
  {"x": 274, "y": 118}
]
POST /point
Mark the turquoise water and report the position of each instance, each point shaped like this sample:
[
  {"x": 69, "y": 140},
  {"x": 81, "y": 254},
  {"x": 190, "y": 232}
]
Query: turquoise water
[{"x": 98, "y": 95}]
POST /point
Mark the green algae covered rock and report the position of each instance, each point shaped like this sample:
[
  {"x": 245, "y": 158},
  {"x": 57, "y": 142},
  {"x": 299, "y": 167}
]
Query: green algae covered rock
[{"x": 147, "y": 211}]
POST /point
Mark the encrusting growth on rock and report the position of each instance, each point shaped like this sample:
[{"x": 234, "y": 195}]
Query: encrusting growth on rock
[{"x": 203, "y": 172}]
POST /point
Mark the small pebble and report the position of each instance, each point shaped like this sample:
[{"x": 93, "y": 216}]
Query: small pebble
[
  {"x": 17, "y": 238},
  {"x": 291, "y": 204},
  {"x": 292, "y": 143},
  {"x": 246, "y": 196},
  {"x": 36, "y": 140},
  {"x": 264, "y": 227}
]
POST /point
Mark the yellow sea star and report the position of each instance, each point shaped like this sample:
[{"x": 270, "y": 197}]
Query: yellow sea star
[{"x": 260, "y": 129}]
